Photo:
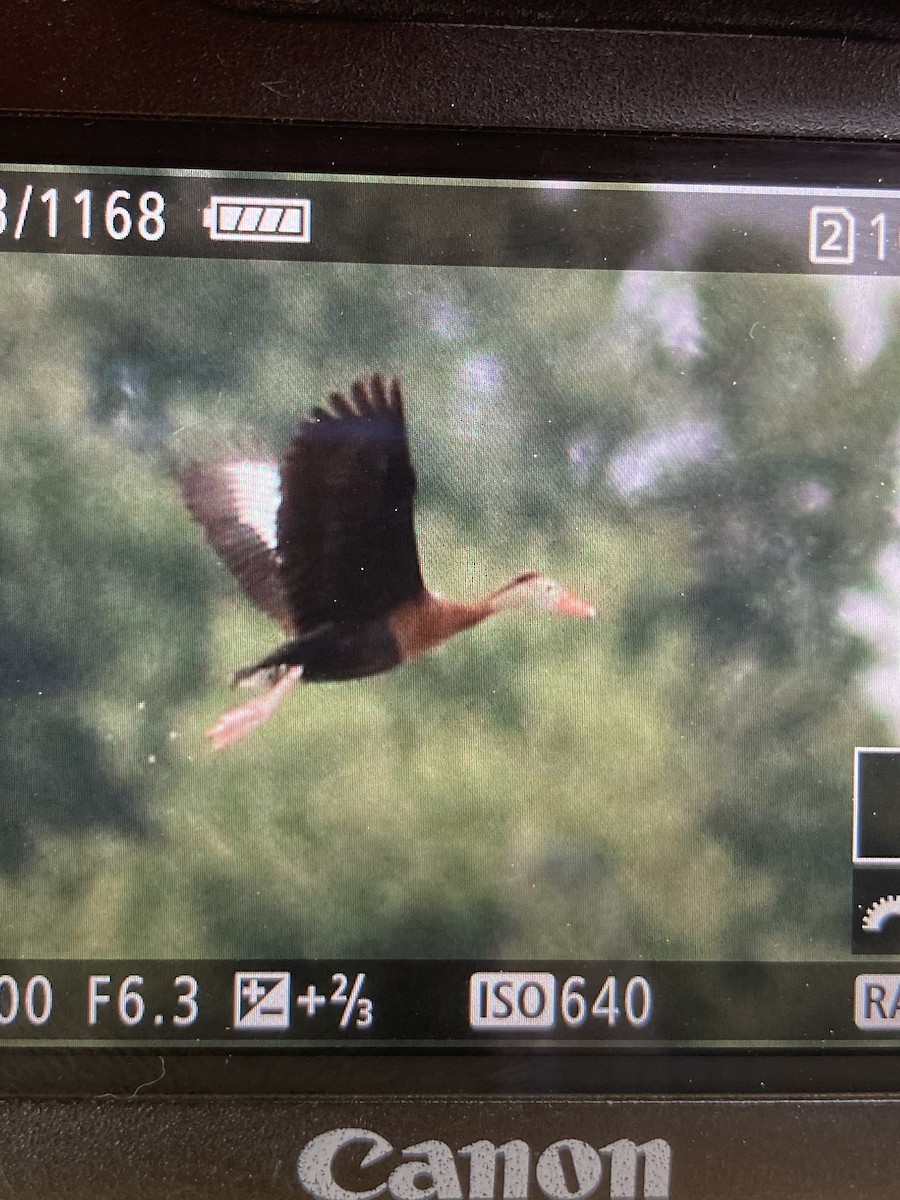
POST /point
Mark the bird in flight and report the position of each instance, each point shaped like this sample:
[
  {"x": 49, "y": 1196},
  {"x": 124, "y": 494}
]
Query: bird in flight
[{"x": 325, "y": 544}]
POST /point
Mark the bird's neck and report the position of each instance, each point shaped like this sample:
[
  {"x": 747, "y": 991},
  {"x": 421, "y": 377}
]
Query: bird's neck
[
  {"x": 449, "y": 617},
  {"x": 420, "y": 626},
  {"x": 504, "y": 599},
  {"x": 463, "y": 616}
]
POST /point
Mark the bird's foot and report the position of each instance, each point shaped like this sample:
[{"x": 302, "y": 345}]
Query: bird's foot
[{"x": 235, "y": 724}]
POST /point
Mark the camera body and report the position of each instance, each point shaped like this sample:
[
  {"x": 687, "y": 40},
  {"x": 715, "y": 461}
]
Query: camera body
[{"x": 184, "y": 83}]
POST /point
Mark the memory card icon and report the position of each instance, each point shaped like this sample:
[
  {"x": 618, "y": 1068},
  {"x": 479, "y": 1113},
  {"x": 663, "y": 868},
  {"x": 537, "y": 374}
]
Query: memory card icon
[
  {"x": 832, "y": 235},
  {"x": 257, "y": 219},
  {"x": 262, "y": 1000}
]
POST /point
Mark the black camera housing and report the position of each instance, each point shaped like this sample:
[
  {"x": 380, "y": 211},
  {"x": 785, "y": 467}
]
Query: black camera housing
[{"x": 731, "y": 92}]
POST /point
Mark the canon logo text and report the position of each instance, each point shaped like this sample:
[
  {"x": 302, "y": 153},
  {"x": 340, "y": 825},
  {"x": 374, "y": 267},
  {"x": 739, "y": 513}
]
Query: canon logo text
[{"x": 357, "y": 1164}]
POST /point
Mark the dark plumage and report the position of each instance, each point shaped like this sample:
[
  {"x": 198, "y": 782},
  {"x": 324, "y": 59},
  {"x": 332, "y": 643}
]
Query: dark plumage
[
  {"x": 345, "y": 524},
  {"x": 325, "y": 544}
]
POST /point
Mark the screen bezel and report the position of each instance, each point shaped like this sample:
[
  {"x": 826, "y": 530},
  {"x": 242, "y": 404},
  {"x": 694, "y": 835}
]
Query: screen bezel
[
  {"x": 303, "y": 146},
  {"x": 522, "y": 154}
]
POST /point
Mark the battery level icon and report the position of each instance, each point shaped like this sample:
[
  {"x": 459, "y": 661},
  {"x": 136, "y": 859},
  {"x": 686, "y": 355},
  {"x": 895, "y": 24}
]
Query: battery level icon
[{"x": 257, "y": 219}]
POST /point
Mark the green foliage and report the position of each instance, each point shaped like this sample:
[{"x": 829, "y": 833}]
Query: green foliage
[{"x": 671, "y": 780}]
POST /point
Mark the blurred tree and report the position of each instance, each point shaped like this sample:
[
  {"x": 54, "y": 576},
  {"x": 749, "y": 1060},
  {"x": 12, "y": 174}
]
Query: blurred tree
[
  {"x": 692, "y": 451},
  {"x": 784, "y": 518}
]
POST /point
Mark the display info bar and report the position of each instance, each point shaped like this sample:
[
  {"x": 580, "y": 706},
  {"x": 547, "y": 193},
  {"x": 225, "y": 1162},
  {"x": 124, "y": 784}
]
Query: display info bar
[
  {"x": 557, "y": 223},
  {"x": 458, "y": 1004}
]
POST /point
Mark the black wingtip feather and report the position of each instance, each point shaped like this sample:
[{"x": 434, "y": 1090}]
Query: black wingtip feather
[
  {"x": 341, "y": 406},
  {"x": 379, "y": 395},
  {"x": 369, "y": 396},
  {"x": 359, "y": 396},
  {"x": 396, "y": 399}
]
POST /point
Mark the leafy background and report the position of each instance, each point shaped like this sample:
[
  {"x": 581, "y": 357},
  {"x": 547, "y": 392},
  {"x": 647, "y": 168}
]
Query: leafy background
[{"x": 709, "y": 457}]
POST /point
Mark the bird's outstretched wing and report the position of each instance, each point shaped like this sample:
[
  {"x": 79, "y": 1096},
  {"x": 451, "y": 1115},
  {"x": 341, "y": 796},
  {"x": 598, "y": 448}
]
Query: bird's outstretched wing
[
  {"x": 346, "y": 536},
  {"x": 236, "y": 502}
]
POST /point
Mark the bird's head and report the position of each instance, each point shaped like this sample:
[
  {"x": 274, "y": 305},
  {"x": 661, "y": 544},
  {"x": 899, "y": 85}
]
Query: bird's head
[{"x": 532, "y": 590}]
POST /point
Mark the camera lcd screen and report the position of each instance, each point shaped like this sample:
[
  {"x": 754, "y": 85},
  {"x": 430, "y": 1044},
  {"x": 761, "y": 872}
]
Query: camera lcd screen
[{"x": 444, "y": 612}]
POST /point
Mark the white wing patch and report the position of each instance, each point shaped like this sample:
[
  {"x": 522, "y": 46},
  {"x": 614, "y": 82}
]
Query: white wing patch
[{"x": 255, "y": 491}]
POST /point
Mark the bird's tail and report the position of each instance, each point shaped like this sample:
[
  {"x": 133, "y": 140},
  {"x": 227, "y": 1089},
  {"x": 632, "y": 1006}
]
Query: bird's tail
[
  {"x": 235, "y": 724},
  {"x": 257, "y": 676},
  {"x": 267, "y": 671}
]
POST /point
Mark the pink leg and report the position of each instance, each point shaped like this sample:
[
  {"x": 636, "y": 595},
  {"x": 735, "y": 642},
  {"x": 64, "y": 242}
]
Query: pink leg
[{"x": 238, "y": 722}]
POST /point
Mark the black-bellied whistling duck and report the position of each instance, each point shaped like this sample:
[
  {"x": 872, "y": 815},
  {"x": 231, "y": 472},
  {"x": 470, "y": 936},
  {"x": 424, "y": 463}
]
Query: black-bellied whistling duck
[{"x": 326, "y": 546}]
